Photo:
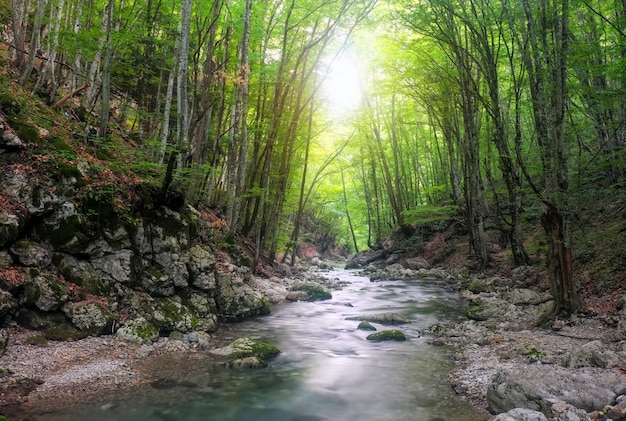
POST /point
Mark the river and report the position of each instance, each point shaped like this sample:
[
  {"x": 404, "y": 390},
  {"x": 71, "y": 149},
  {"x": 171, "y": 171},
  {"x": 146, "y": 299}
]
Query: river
[{"x": 327, "y": 369}]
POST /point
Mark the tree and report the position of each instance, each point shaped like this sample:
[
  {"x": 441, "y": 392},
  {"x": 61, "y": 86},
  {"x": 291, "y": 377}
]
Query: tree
[{"x": 544, "y": 51}]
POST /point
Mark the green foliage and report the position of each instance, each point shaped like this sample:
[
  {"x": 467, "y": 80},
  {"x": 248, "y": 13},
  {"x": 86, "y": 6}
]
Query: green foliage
[
  {"x": 476, "y": 287},
  {"x": 62, "y": 148},
  {"x": 432, "y": 214},
  {"x": 9, "y": 105}
]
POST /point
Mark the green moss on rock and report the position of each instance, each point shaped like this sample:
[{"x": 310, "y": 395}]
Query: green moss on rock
[
  {"x": 68, "y": 171},
  {"x": 314, "y": 291},
  {"x": 387, "y": 335},
  {"x": 9, "y": 105}
]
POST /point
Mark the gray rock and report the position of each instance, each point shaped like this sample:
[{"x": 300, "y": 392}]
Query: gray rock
[
  {"x": 247, "y": 362},
  {"x": 90, "y": 318},
  {"x": 314, "y": 291},
  {"x": 44, "y": 291},
  {"x": 116, "y": 265},
  {"x": 31, "y": 254},
  {"x": 170, "y": 314},
  {"x": 4, "y": 341},
  {"x": 382, "y": 318},
  {"x": 523, "y": 296},
  {"x": 620, "y": 330},
  {"x": 11, "y": 141},
  {"x": 520, "y": 414},
  {"x": 138, "y": 331},
  {"x": 9, "y": 227},
  {"x": 532, "y": 387},
  {"x": 5, "y": 258},
  {"x": 593, "y": 354},
  {"x": 417, "y": 263},
  {"x": 247, "y": 353},
  {"x": 156, "y": 282},
  {"x": 562, "y": 411},
  {"x": 237, "y": 300},
  {"x": 8, "y": 304}
]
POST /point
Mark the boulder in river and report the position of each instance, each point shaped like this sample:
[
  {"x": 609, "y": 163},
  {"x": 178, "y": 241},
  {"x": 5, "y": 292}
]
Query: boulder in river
[
  {"x": 386, "y": 335},
  {"x": 313, "y": 290},
  {"x": 382, "y": 318},
  {"x": 247, "y": 353},
  {"x": 365, "y": 325}
]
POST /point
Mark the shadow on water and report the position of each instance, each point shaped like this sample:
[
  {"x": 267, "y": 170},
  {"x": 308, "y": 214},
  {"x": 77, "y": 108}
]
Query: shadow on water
[{"x": 327, "y": 369}]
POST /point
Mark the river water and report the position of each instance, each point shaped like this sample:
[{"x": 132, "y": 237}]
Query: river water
[{"x": 327, "y": 369}]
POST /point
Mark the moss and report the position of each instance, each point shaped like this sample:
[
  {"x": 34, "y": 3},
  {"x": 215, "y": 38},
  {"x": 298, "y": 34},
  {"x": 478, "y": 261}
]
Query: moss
[
  {"x": 146, "y": 332},
  {"x": 27, "y": 132},
  {"x": 67, "y": 172},
  {"x": 62, "y": 148},
  {"x": 3, "y": 418},
  {"x": 313, "y": 290},
  {"x": 387, "y": 335},
  {"x": 265, "y": 350},
  {"x": 38, "y": 340},
  {"x": 477, "y": 287},
  {"x": 9, "y": 105},
  {"x": 59, "y": 237},
  {"x": 365, "y": 325},
  {"x": 36, "y": 196},
  {"x": 64, "y": 332},
  {"x": 474, "y": 311},
  {"x": 262, "y": 351}
]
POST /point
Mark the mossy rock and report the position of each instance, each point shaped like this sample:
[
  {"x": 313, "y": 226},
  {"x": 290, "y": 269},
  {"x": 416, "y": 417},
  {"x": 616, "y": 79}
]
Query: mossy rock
[
  {"x": 9, "y": 105},
  {"x": 37, "y": 340},
  {"x": 27, "y": 132},
  {"x": 68, "y": 172},
  {"x": 476, "y": 287},
  {"x": 247, "y": 349},
  {"x": 314, "y": 291},
  {"x": 365, "y": 325},
  {"x": 387, "y": 335},
  {"x": 138, "y": 331},
  {"x": 247, "y": 362},
  {"x": 476, "y": 313},
  {"x": 64, "y": 332}
]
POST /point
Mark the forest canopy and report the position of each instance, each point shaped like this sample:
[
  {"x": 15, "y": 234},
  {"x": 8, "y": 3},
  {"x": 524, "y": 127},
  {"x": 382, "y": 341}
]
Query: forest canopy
[{"x": 350, "y": 118}]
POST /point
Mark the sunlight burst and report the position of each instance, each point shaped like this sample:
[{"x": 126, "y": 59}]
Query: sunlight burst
[{"x": 342, "y": 87}]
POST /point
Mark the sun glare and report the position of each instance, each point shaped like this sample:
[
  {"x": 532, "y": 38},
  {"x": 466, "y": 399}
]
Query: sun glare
[{"x": 342, "y": 87}]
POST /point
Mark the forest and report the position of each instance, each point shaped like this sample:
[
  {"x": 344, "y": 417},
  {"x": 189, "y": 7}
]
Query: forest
[{"x": 346, "y": 120}]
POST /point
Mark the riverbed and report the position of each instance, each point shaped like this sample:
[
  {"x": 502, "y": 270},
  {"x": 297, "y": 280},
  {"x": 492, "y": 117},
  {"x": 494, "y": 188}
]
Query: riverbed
[{"x": 327, "y": 370}]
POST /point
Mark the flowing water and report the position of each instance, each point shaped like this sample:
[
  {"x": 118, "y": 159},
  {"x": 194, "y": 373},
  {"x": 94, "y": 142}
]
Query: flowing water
[{"x": 327, "y": 369}]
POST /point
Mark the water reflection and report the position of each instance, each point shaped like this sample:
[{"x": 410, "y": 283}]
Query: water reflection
[{"x": 327, "y": 369}]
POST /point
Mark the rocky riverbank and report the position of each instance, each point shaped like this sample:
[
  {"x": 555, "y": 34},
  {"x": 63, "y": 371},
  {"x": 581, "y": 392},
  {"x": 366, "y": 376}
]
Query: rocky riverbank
[
  {"x": 38, "y": 374},
  {"x": 572, "y": 370},
  {"x": 508, "y": 367}
]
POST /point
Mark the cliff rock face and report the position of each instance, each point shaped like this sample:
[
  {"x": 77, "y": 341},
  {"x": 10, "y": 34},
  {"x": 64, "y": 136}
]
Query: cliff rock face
[{"x": 76, "y": 268}]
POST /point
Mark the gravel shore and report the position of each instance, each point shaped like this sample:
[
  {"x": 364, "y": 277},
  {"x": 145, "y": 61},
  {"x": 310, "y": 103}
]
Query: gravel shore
[{"x": 40, "y": 376}]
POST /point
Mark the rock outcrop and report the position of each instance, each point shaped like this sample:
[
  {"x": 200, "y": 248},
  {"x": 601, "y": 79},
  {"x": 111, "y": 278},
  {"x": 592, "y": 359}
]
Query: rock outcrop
[{"x": 77, "y": 268}]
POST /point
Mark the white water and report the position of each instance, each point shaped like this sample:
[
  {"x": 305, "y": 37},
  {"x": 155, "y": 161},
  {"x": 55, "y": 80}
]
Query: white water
[{"x": 327, "y": 369}]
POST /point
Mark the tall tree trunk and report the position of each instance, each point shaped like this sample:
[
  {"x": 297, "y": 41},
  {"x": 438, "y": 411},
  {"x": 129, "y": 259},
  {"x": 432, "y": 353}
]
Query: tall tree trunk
[
  {"x": 106, "y": 70},
  {"x": 544, "y": 53},
  {"x": 35, "y": 42},
  {"x": 19, "y": 25}
]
